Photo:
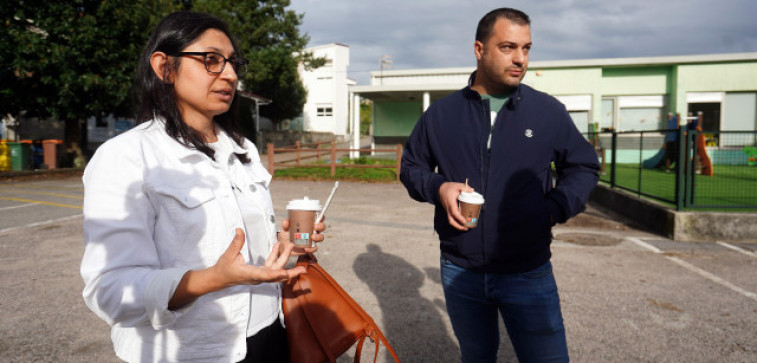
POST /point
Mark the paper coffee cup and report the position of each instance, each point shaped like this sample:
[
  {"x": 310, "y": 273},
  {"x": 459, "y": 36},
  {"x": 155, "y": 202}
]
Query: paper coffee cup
[
  {"x": 470, "y": 207},
  {"x": 302, "y": 214}
]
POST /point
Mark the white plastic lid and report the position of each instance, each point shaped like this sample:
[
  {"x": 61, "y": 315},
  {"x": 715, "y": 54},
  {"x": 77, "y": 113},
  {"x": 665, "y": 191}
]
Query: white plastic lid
[
  {"x": 304, "y": 204},
  {"x": 471, "y": 198}
]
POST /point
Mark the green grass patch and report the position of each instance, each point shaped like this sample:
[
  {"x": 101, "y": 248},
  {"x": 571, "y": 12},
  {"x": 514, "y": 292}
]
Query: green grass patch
[
  {"x": 731, "y": 185},
  {"x": 323, "y": 171}
]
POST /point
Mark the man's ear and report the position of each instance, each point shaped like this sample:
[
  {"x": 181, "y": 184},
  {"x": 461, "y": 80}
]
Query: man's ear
[
  {"x": 478, "y": 49},
  {"x": 160, "y": 65}
]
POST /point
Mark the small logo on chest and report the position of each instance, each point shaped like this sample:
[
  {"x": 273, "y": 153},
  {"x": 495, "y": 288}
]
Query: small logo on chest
[{"x": 529, "y": 133}]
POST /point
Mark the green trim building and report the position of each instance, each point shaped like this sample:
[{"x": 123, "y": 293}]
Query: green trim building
[{"x": 624, "y": 94}]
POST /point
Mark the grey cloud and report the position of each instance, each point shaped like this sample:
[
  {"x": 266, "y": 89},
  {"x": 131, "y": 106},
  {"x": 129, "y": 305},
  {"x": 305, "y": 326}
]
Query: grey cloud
[{"x": 439, "y": 33}]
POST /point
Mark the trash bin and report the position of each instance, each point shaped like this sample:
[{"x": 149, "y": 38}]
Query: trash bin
[
  {"x": 5, "y": 157},
  {"x": 36, "y": 154},
  {"x": 50, "y": 151},
  {"x": 20, "y": 153}
]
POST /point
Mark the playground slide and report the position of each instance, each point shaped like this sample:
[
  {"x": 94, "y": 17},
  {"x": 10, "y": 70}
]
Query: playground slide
[{"x": 654, "y": 161}]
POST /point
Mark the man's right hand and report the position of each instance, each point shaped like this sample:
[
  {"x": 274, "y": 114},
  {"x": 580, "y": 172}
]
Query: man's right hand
[{"x": 448, "y": 194}]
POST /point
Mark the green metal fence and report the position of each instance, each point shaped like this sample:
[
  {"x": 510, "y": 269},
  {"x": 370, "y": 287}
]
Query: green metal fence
[{"x": 699, "y": 170}]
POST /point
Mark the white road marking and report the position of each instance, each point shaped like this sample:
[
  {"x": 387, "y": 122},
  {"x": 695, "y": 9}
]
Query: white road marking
[
  {"x": 644, "y": 244},
  {"x": 695, "y": 269},
  {"x": 737, "y": 249},
  {"x": 18, "y": 206},
  {"x": 38, "y": 224}
]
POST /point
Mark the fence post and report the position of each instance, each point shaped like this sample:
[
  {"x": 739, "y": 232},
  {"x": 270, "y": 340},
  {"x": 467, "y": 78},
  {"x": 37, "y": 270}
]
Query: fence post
[
  {"x": 641, "y": 162},
  {"x": 691, "y": 154},
  {"x": 680, "y": 195},
  {"x": 333, "y": 159},
  {"x": 613, "y": 165},
  {"x": 297, "y": 146},
  {"x": 318, "y": 151},
  {"x": 269, "y": 148},
  {"x": 399, "y": 160}
]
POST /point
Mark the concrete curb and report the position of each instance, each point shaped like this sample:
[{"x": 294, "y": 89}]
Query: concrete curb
[
  {"x": 679, "y": 226},
  {"x": 39, "y": 173}
]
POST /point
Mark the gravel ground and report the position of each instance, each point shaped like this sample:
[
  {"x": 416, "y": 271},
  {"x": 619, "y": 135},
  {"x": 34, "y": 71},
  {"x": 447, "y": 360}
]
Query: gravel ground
[{"x": 621, "y": 301}]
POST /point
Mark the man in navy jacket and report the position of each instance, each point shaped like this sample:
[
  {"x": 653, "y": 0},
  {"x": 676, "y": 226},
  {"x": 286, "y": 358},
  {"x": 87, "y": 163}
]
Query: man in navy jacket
[{"x": 502, "y": 137}]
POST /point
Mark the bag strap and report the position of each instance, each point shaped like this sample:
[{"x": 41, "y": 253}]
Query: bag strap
[
  {"x": 377, "y": 337},
  {"x": 389, "y": 347},
  {"x": 381, "y": 338},
  {"x": 359, "y": 349},
  {"x": 378, "y": 343}
]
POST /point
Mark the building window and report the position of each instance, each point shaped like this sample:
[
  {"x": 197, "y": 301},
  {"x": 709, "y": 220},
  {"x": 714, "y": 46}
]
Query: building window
[
  {"x": 324, "y": 111},
  {"x": 641, "y": 113},
  {"x": 578, "y": 107},
  {"x": 642, "y": 119}
]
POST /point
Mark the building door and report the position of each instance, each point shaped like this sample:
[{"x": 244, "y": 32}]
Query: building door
[{"x": 710, "y": 120}]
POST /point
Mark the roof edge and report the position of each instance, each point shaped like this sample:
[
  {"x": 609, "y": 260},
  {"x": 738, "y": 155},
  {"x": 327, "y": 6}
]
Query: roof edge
[{"x": 596, "y": 62}]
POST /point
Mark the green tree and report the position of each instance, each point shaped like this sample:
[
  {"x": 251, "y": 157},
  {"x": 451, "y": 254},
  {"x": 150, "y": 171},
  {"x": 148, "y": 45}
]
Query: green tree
[
  {"x": 74, "y": 59},
  {"x": 366, "y": 117},
  {"x": 269, "y": 37}
]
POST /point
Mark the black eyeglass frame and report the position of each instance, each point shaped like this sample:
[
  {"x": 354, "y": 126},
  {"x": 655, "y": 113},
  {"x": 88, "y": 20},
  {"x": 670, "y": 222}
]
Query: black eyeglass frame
[{"x": 236, "y": 62}]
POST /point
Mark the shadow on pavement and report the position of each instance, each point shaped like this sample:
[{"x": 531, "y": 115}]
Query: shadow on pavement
[{"x": 412, "y": 324}]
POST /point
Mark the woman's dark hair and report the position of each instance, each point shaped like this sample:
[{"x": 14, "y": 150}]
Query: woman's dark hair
[
  {"x": 486, "y": 23},
  {"x": 158, "y": 99}
]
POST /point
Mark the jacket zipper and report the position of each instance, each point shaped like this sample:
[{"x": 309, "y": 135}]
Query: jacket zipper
[{"x": 485, "y": 154}]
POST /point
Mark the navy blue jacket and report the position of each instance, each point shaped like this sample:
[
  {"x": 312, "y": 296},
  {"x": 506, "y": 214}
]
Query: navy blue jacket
[{"x": 532, "y": 130}]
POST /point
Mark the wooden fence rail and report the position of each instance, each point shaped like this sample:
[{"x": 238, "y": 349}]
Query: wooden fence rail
[{"x": 306, "y": 151}]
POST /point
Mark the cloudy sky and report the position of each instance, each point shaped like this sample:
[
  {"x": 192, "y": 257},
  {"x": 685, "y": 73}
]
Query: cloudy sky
[{"x": 440, "y": 33}]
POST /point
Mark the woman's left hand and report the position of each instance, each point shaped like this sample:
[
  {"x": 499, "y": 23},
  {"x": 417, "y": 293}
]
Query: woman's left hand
[{"x": 317, "y": 237}]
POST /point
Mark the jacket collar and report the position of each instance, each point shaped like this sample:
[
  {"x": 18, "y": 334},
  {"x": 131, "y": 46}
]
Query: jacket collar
[
  {"x": 182, "y": 152},
  {"x": 255, "y": 174},
  {"x": 235, "y": 148},
  {"x": 514, "y": 100},
  {"x": 185, "y": 154}
]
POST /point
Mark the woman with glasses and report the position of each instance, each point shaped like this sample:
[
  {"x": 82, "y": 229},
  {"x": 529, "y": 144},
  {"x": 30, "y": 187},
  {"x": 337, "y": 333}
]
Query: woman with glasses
[{"x": 182, "y": 257}]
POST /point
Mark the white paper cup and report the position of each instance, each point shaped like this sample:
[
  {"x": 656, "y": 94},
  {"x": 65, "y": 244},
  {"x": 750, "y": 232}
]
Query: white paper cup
[
  {"x": 470, "y": 206},
  {"x": 302, "y": 214}
]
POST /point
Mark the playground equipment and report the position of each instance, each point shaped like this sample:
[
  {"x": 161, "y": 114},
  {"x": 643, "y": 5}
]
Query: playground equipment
[
  {"x": 750, "y": 151},
  {"x": 655, "y": 160},
  {"x": 701, "y": 161}
]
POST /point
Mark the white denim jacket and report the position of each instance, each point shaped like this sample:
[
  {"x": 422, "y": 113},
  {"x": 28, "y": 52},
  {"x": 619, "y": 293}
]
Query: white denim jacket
[{"x": 154, "y": 209}]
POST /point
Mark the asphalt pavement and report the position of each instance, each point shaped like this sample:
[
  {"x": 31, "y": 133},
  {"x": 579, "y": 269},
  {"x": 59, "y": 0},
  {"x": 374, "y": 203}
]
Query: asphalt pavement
[{"x": 627, "y": 295}]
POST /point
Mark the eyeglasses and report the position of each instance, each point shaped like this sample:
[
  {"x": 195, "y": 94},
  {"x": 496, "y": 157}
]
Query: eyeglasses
[{"x": 216, "y": 62}]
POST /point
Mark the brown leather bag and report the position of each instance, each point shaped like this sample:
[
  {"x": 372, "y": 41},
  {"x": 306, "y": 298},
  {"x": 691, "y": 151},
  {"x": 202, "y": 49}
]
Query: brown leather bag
[{"x": 322, "y": 320}]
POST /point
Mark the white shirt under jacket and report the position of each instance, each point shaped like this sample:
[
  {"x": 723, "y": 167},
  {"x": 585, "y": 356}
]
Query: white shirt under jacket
[{"x": 154, "y": 209}]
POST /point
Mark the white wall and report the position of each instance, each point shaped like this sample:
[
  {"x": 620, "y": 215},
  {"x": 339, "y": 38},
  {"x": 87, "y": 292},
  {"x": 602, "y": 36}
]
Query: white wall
[{"x": 327, "y": 88}]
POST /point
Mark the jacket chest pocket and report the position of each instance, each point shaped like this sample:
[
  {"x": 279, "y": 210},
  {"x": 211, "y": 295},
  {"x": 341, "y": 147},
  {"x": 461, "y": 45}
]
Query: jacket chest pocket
[{"x": 184, "y": 225}]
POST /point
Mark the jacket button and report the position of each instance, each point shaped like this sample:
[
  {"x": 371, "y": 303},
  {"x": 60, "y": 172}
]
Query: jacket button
[{"x": 273, "y": 219}]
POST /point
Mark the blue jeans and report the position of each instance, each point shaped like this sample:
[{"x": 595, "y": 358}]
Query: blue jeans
[{"x": 529, "y": 305}]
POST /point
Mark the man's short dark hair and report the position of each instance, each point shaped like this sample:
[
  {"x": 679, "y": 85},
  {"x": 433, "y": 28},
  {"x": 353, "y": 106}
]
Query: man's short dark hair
[{"x": 486, "y": 23}]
